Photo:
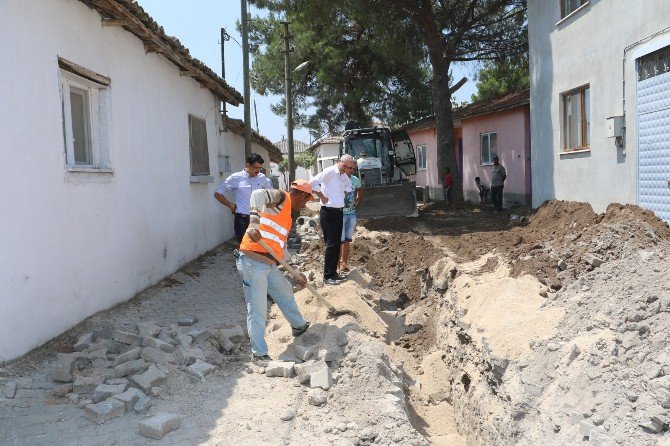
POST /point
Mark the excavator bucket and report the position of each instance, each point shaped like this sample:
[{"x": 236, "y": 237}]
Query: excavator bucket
[{"x": 382, "y": 201}]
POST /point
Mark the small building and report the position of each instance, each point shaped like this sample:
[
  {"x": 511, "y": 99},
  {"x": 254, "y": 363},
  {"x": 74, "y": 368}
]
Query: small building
[
  {"x": 111, "y": 138},
  {"x": 299, "y": 147},
  {"x": 600, "y": 102},
  {"x": 481, "y": 129},
  {"x": 327, "y": 151}
]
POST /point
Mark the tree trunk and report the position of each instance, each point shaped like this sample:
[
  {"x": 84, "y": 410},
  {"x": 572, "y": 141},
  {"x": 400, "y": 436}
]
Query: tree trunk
[{"x": 444, "y": 122}]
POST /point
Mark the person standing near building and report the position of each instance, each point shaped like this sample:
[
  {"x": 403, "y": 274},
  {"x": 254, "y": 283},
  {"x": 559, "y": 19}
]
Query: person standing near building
[
  {"x": 351, "y": 199},
  {"x": 242, "y": 184},
  {"x": 330, "y": 185},
  {"x": 270, "y": 220},
  {"x": 498, "y": 177},
  {"x": 448, "y": 184}
]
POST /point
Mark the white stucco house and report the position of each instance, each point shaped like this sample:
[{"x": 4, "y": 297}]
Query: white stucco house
[
  {"x": 600, "y": 102},
  {"x": 112, "y": 149},
  {"x": 327, "y": 150}
]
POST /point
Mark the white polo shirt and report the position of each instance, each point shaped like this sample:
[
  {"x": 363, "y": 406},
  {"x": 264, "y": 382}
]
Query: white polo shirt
[{"x": 333, "y": 184}]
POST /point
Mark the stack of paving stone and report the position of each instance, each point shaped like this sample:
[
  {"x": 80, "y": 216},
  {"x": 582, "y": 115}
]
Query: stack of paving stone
[{"x": 114, "y": 371}]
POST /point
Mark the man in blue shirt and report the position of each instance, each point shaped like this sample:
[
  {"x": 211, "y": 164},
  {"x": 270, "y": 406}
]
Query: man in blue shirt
[
  {"x": 242, "y": 184},
  {"x": 351, "y": 199}
]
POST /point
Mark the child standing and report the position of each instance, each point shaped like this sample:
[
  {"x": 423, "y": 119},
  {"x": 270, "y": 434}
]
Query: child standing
[{"x": 483, "y": 190}]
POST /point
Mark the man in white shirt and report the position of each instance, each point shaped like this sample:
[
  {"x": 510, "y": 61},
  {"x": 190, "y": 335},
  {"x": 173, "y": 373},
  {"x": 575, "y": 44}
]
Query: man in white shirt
[
  {"x": 331, "y": 185},
  {"x": 242, "y": 184}
]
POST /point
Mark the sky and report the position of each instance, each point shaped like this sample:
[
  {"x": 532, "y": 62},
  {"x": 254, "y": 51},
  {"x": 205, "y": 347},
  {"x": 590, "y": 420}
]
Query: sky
[{"x": 197, "y": 24}]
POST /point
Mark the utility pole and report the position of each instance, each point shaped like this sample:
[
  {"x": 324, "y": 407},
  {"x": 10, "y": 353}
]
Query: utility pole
[
  {"x": 289, "y": 100},
  {"x": 247, "y": 89},
  {"x": 224, "y": 38}
]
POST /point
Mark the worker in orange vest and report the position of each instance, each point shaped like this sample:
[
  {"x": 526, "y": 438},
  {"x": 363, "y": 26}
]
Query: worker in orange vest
[{"x": 270, "y": 220}]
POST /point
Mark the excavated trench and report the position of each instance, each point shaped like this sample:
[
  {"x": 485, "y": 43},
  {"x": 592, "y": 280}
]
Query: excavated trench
[{"x": 525, "y": 333}]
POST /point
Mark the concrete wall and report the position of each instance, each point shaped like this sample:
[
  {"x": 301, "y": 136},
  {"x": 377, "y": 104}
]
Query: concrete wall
[
  {"x": 513, "y": 144},
  {"x": 75, "y": 243},
  {"x": 589, "y": 47},
  {"x": 429, "y": 177}
]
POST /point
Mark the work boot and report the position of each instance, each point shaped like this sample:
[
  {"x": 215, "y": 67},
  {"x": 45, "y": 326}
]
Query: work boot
[
  {"x": 299, "y": 331},
  {"x": 261, "y": 361}
]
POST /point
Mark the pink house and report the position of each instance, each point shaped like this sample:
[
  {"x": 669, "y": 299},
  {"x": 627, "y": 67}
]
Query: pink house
[{"x": 481, "y": 129}]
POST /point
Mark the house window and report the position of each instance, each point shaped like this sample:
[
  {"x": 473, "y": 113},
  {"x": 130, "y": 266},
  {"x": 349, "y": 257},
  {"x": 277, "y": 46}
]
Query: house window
[
  {"x": 570, "y": 6},
  {"x": 197, "y": 132},
  {"x": 576, "y": 119},
  {"x": 488, "y": 143},
  {"x": 85, "y": 107},
  {"x": 421, "y": 157}
]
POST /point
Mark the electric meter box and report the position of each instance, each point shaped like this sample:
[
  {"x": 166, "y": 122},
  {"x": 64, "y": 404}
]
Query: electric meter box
[{"x": 615, "y": 126}]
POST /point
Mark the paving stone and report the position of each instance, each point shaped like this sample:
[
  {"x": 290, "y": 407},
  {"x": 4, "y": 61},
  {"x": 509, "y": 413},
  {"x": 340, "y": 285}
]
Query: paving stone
[
  {"x": 199, "y": 369},
  {"x": 187, "y": 356},
  {"x": 184, "y": 340},
  {"x": 155, "y": 355},
  {"x": 113, "y": 381},
  {"x": 83, "y": 342},
  {"x": 143, "y": 404},
  {"x": 165, "y": 335},
  {"x": 157, "y": 343},
  {"x": 227, "y": 345},
  {"x": 26, "y": 382},
  {"x": 302, "y": 352},
  {"x": 129, "y": 398},
  {"x": 64, "y": 367},
  {"x": 321, "y": 377},
  {"x": 199, "y": 335},
  {"x": 282, "y": 369},
  {"x": 130, "y": 355},
  {"x": 86, "y": 384},
  {"x": 103, "y": 333},
  {"x": 235, "y": 333},
  {"x": 100, "y": 353},
  {"x": 129, "y": 367},
  {"x": 329, "y": 355},
  {"x": 152, "y": 377},
  {"x": 10, "y": 389},
  {"x": 104, "y": 391},
  {"x": 124, "y": 337},
  {"x": 592, "y": 260},
  {"x": 160, "y": 424},
  {"x": 148, "y": 329},
  {"x": 105, "y": 410},
  {"x": 187, "y": 320}
]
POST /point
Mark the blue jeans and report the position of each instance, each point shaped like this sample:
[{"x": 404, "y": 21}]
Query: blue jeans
[
  {"x": 348, "y": 227},
  {"x": 258, "y": 280}
]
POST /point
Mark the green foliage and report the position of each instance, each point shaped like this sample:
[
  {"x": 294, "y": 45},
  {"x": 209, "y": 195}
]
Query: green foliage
[
  {"x": 365, "y": 62},
  {"x": 499, "y": 77},
  {"x": 305, "y": 160}
]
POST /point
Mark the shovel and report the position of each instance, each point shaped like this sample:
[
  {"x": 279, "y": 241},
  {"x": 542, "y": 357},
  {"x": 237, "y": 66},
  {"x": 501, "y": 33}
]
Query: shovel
[{"x": 331, "y": 309}]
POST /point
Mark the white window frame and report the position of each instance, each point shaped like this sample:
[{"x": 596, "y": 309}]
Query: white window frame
[
  {"x": 489, "y": 161},
  {"x": 421, "y": 160},
  {"x": 96, "y": 113}
]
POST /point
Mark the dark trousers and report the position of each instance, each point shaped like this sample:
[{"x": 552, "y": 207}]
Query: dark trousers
[
  {"x": 497, "y": 196},
  {"x": 331, "y": 223},
  {"x": 241, "y": 224}
]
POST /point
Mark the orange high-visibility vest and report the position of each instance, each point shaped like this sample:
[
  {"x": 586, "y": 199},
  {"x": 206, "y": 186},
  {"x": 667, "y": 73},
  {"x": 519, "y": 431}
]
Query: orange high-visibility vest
[{"x": 274, "y": 229}]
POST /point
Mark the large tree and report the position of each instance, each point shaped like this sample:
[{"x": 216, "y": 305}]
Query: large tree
[
  {"x": 364, "y": 63},
  {"x": 458, "y": 31},
  {"x": 498, "y": 77}
]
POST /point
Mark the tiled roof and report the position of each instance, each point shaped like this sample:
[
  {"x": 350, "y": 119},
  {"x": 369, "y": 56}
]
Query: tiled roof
[
  {"x": 129, "y": 15},
  {"x": 298, "y": 146},
  {"x": 328, "y": 139},
  {"x": 237, "y": 126},
  {"x": 511, "y": 100}
]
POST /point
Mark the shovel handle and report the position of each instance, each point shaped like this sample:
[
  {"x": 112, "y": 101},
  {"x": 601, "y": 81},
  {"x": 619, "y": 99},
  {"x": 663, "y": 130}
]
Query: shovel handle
[{"x": 296, "y": 274}]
